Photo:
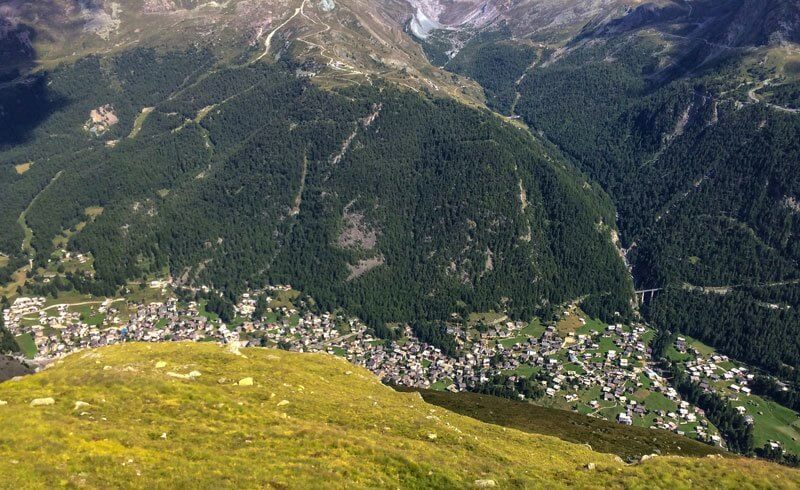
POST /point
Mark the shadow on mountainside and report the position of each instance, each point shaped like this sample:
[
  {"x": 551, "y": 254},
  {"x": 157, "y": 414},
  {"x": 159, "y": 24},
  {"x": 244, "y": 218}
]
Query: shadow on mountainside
[{"x": 25, "y": 100}]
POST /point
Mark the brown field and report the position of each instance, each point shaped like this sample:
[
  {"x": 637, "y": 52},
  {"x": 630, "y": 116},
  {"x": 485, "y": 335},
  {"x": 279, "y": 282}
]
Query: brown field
[
  {"x": 23, "y": 167},
  {"x": 93, "y": 211},
  {"x": 568, "y": 324}
]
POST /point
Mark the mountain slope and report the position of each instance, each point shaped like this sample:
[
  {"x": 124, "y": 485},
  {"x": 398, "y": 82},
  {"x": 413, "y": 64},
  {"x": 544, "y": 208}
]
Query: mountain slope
[
  {"x": 629, "y": 442},
  {"x": 186, "y": 414},
  {"x": 393, "y": 204},
  {"x": 684, "y": 111},
  {"x": 341, "y": 42},
  {"x": 703, "y": 174}
]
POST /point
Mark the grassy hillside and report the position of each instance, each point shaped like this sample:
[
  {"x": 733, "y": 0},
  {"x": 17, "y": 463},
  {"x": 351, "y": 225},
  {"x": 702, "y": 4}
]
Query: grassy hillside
[
  {"x": 630, "y": 443},
  {"x": 183, "y": 415}
]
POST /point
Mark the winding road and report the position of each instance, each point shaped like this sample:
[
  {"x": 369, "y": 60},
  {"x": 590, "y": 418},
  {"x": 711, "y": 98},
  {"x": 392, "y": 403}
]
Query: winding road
[
  {"x": 268, "y": 40},
  {"x": 751, "y": 94}
]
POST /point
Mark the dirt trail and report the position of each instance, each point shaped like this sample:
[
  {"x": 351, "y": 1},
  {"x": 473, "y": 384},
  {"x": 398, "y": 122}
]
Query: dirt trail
[
  {"x": 334, "y": 64},
  {"x": 268, "y": 40},
  {"x": 22, "y": 220},
  {"x": 751, "y": 94},
  {"x": 298, "y": 200}
]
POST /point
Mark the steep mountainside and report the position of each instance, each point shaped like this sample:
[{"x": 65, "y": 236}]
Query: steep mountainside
[
  {"x": 686, "y": 113},
  {"x": 392, "y": 204},
  {"x": 542, "y": 19},
  {"x": 197, "y": 415},
  {"x": 340, "y": 41}
]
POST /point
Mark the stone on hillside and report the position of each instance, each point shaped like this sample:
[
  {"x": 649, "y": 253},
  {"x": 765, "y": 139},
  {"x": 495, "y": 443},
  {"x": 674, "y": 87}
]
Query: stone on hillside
[
  {"x": 283, "y": 403},
  {"x": 485, "y": 483},
  {"x": 591, "y": 466},
  {"x": 161, "y": 364},
  {"x": 432, "y": 436},
  {"x": 42, "y": 402},
  {"x": 246, "y": 381},
  {"x": 3, "y": 402},
  {"x": 79, "y": 404},
  {"x": 191, "y": 375},
  {"x": 233, "y": 348},
  {"x": 647, "y": 456}
]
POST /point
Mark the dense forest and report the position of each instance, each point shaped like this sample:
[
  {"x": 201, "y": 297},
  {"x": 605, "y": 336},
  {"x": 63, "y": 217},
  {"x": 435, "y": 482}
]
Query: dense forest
[
  {"x": 784, "y": 94},
  {"x": 495, "y": 62},
  {"x": 513, "y": 388},
  {"x": 706, "y": 188},
  {"x": 42, "y": 123},
  {"x": 735, "y": 324},
  {"x": 393, "y": 205}
]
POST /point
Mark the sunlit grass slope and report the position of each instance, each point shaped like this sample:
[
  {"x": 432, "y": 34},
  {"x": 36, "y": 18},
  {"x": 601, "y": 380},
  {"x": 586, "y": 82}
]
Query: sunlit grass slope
[{"x": 185, "y": 416}]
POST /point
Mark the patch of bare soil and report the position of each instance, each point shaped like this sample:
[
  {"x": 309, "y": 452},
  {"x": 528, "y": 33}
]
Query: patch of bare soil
[
  {"x": 356, "y": 233},
  {"x": 364, "y": 266}
]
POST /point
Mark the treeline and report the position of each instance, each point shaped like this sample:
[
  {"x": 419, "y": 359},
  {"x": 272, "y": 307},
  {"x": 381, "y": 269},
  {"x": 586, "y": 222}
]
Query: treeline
[
  {"x": 511, "y": 387},
  {"x": 435, "y": 334},
  {"x": 768, "y": 387},
  {"x": 778, "y": 455},
  {"x": 735, "y": 325}
]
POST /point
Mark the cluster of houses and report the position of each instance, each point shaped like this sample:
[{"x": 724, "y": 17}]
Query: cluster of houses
[
  {"x": 585, "y": 362},
  {"x": 20, "y": 308},
  {"x": 708, "y": 373},
  {"x": 716, "y": 373},
  {"x": 56, "y": 330},
  {"x": 565, "y": 366}
]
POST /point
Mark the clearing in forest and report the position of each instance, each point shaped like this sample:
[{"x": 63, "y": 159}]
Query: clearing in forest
[{"x": 23, "y": 167}]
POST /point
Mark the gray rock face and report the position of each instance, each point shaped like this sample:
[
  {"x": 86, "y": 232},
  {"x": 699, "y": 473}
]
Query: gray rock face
[
  {"x": 42, "y": 402},
  {"x": 12, "y": 368}
]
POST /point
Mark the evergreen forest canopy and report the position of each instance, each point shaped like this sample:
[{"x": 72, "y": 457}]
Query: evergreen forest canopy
[
  {"x": 394, "y": 205},
  {"x": 705, "y": 182}
]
